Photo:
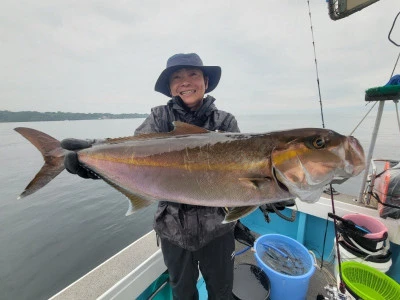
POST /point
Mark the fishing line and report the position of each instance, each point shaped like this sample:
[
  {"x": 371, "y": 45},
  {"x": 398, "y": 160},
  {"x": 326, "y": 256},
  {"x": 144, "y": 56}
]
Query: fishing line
[
  {"x": 395, "y": 65},
  {"x": 316, "y": 65},
  {"x": 351, "y": 133},
  {"x": 395, "y": 103},
  {"x": 341, "y": 285},
  {"x": 323, "y": 248},
  {"x": 397, "y": 113}
]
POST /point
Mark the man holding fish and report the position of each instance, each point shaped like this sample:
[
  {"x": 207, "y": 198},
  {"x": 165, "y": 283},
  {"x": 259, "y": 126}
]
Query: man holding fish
[
  {"x": 194, "y": 171},
  {"x": 192, "y": 237}
]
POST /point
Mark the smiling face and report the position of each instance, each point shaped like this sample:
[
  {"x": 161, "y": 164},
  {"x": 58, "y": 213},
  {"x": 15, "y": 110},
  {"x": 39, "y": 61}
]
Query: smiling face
[{"x": 189, "y": 84}]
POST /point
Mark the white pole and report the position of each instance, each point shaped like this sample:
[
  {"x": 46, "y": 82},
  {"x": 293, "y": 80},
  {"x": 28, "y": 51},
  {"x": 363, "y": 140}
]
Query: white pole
[{"x": 371, "y": 151}]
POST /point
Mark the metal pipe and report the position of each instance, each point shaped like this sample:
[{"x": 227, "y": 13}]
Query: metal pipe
[{"x": 371, "y": 150}]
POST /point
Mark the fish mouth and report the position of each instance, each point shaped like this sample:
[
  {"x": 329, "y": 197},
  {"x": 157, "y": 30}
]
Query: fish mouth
[{"x": 280, "y": 184}]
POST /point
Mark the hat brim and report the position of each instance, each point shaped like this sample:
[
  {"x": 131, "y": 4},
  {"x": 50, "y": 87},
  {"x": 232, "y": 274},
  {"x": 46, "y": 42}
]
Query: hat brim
[{"x": 213, "y": 74}]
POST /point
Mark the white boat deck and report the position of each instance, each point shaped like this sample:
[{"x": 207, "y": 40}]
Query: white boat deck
[
  {"x": 129, "y": 272},
  {"x": 128, "y": 264}
]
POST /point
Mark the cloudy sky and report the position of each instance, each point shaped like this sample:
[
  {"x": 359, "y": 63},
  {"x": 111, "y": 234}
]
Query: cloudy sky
[{"x": 105, "y": 56}]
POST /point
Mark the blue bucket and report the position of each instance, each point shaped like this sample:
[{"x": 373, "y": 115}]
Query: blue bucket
[{"x": 288, "y": 265}]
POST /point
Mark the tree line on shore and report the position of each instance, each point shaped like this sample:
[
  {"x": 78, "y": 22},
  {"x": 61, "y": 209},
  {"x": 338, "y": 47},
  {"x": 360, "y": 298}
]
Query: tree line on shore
[{"x": 34, "y": 116}]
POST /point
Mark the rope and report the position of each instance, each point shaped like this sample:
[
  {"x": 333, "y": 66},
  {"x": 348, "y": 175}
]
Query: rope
[
  {"x": 395, "y": 65},
  {"x": 391, "y": 29},
  {"x": 397, "y": 113},
  {"x": 391, "y": 75},
  {"x": 395, "y": 102},
  {"x": 351, "y": 133},
  {"x": 242, "y": 251}
]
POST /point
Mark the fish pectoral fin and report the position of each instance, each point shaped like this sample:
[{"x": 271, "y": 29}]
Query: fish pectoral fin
[
  {"x": 136, "y": 201},
  {"x": 235, "y": 213},
  {"x": 254, "y": 182}
]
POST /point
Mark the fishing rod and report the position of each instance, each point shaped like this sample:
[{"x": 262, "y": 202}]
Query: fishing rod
[{"x": 342, "y": 287}]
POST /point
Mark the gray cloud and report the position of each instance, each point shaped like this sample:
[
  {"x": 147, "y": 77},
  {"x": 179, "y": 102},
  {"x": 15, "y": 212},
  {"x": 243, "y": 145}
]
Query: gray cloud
[{"x": 105, "y": 56}]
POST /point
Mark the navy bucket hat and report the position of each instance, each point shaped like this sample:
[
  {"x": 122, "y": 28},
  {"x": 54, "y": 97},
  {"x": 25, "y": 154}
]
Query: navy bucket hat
[{"x": 181, "y": 60}]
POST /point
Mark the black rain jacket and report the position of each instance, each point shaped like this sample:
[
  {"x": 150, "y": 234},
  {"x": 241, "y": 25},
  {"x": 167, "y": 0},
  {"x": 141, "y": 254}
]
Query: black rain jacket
[{"x": 188, "y": 226}]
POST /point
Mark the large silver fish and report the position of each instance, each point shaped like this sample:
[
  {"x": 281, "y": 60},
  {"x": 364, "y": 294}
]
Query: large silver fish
[{"x": 195, "y": 166}]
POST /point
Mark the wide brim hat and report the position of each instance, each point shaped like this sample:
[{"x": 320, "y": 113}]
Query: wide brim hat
[{"x": 189, "y": 60}]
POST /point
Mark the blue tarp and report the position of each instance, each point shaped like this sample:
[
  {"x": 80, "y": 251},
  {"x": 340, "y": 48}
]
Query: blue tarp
[{"x": 395, "y": 80}]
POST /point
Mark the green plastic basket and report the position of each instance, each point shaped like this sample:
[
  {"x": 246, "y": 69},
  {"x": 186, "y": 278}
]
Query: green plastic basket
[{"x": 368, "y": 283}]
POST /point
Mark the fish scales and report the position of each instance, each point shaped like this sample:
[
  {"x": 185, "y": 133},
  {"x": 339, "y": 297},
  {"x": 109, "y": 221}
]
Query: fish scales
[
  {"x": 205, "y": 165},
  {"x": 194, "y": 166}
]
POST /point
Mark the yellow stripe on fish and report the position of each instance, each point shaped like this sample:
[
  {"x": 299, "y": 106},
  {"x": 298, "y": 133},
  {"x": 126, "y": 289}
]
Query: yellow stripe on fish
[
  {"x": 283, "y": 156},
  {"x": 186, "y": 163}
]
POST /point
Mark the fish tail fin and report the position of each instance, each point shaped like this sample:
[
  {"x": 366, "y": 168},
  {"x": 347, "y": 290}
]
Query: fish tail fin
[{"x": 53, "y": 156}]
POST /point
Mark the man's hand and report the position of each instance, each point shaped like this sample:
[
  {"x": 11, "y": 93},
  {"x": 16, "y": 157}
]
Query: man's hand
[{"x": 71, "y": 161}]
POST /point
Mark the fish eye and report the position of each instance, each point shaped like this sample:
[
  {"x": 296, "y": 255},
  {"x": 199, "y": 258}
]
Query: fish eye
[{"x": 318, "y": 143}]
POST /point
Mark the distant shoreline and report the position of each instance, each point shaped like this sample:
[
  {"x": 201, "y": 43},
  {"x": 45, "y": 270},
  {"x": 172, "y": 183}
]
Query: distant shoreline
[{"x": 34, "y": 116}]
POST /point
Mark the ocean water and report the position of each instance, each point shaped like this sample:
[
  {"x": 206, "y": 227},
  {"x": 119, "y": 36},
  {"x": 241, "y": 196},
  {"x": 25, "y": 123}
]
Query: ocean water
[{"x": 51, "y": 238}]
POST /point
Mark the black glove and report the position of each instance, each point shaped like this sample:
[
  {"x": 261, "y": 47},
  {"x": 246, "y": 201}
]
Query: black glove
[
  {"x": 243, "y": 234},
  {"x": 273, "y": 207},
  {"x": 71, "y": 161},
  {"x": 276, "y": 208}
]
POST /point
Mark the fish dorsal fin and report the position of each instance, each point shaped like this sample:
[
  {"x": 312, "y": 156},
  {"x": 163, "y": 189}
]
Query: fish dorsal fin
[
  {"x": 136, "y": 201},
  {"x": 235, "y": 213},
  {"x": 181, "y": 128}
]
